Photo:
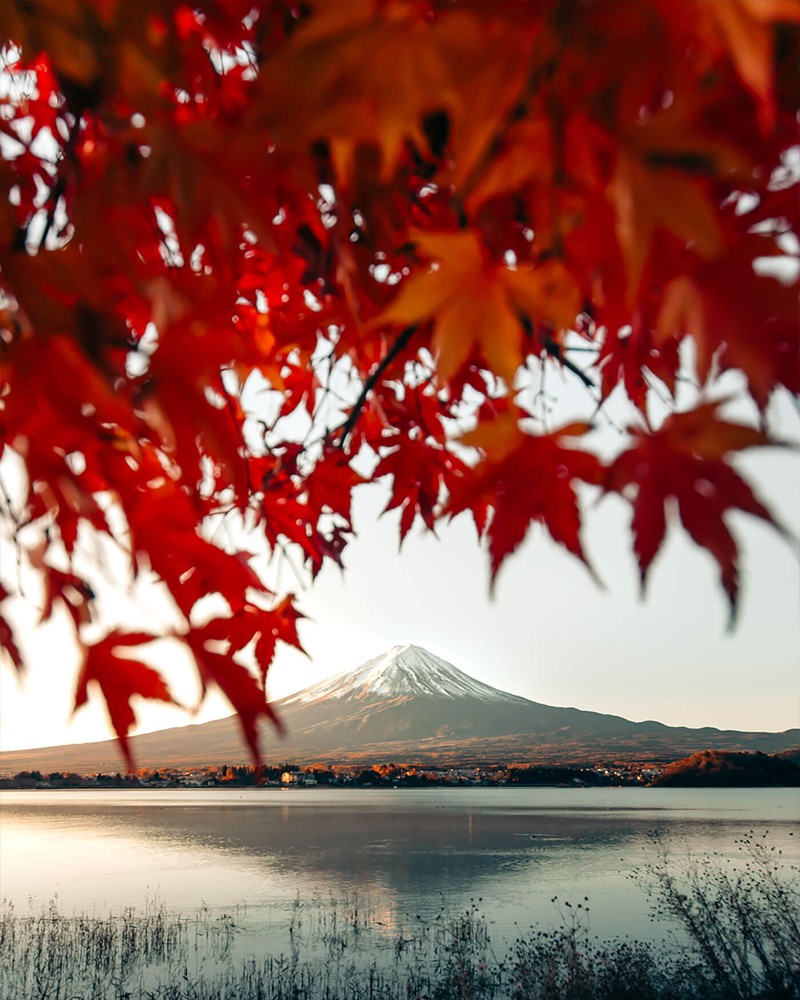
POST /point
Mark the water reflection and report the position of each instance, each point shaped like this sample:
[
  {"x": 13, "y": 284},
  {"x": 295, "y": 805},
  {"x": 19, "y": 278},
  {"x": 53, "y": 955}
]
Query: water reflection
[{"x": 407, "y": 851}]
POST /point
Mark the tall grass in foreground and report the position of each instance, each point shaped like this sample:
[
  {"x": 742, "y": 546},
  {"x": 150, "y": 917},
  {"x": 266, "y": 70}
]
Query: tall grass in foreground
[
  {"x": 742, "y": 917},
  {"x": 741, "y": 922},
  {"x": 51, "y": 956}
]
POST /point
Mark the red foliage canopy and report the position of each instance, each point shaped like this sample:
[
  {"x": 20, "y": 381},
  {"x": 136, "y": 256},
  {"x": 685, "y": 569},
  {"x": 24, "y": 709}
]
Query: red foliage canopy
[{"x": 244, "y": 243}]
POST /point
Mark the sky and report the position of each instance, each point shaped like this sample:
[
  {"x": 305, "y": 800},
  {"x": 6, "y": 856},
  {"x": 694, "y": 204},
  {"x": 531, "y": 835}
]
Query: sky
[{"x": 549, "y": 633}]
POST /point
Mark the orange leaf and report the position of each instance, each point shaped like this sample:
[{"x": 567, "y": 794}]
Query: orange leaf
[
  {"x": 738, "y": 319},
  {"x": 746, "y": 26},
  {"x": 646, "y": 197},
  {"x": 330, "y": 82},
  {"x": 476, "y": 303}
]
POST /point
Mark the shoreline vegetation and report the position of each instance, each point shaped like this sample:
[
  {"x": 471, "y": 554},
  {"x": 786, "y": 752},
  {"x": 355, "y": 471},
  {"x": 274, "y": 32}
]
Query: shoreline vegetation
[
  {"x": 732, "y": 931},
  {"x": 708, "y": 769}
]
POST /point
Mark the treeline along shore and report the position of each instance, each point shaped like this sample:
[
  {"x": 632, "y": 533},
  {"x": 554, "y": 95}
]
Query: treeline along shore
[{"x": 707, "y": 769}]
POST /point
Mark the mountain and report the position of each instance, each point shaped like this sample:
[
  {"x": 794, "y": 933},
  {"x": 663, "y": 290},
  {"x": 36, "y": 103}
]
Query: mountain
[
  {"x": 405, "y": 671},
  {"x": 409, "y": 705}
]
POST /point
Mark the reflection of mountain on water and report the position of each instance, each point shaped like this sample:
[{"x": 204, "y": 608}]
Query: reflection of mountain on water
[{"x": 392, "y": 852}]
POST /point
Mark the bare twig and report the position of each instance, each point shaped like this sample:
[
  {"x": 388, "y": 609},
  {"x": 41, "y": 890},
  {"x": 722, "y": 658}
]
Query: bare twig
[
  {"x": 15, "y": 529},
  {"x": 555, "y": 351},
  {"x": 346, "y": 429},
  {"x": 239, "y": 433}
]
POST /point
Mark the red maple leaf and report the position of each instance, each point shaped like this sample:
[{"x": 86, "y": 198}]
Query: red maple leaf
[
  {"x": 119, "y": 679},
  {"x": 330, "y": 485},
  {"x": 190, "y": 566},
  {"x": 9, "y": 645},
  {"x": 685, "y": 461},
  {"x": 420, "y": 470},
  {"x": 527, "y": 478},
  {"x": 238, "y": 685},
  {"x": 267, "y": 627},
  {"x": 626, "y": 359},
  {"x": 75, "y": 593}
]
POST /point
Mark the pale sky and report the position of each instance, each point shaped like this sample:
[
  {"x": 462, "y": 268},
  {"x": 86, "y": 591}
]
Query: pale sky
[{"x": 549, "y": 634}]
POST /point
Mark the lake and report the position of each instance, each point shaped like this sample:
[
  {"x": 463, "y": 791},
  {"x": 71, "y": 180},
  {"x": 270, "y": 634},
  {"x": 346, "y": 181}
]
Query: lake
[{"x": 259, "y": 854}]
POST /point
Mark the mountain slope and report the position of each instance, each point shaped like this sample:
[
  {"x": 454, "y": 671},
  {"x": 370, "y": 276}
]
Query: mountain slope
[{"x": 408, "y": 705}]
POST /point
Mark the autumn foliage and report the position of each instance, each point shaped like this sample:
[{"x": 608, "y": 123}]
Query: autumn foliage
[{"x": 255, "y": 253}]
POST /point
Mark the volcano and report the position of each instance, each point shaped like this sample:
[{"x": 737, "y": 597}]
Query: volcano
[{"x": 409, "y": 706}]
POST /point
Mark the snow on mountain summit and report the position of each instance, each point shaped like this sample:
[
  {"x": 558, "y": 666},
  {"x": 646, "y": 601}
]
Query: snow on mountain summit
[{"x": 403, "y": 671}]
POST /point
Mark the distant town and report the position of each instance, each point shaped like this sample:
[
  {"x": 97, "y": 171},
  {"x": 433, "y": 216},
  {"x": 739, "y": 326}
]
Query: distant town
[
  {"x": 291, "y": 776},
  {"x": 708, "y": 768}
]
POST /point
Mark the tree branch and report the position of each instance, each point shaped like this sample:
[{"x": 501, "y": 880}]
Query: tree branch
[
  {"x": 555, "y": 351},
  {"x": 346, "y": 429}
]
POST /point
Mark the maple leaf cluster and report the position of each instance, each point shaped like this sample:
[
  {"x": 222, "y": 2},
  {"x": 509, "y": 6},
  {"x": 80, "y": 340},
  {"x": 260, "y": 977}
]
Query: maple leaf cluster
[{"x": 253, "y": 254}]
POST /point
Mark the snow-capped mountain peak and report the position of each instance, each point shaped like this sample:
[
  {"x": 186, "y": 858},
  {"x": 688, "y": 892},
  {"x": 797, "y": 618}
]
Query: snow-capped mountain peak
[{"x": 402, "y": 671}]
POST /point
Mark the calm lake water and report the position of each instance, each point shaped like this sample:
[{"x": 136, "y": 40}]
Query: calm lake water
[{"x": 259, "y": 854}]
